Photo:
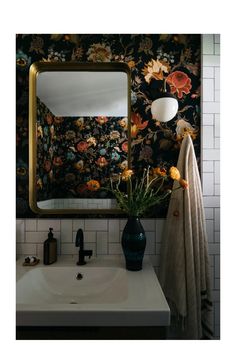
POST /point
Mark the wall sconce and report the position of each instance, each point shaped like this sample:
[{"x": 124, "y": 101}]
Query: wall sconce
[{"x": 165, "y": 107}]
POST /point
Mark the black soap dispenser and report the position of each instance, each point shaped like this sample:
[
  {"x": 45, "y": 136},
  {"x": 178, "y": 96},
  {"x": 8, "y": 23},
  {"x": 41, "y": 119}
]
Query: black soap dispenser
[{"x": 50, "y": 249}]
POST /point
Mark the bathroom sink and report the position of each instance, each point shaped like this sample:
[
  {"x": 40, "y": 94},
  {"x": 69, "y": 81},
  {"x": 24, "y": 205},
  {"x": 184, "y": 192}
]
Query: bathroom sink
[
  {"x": 107, "y": 294},
  {"x": 59, "y": 285}
]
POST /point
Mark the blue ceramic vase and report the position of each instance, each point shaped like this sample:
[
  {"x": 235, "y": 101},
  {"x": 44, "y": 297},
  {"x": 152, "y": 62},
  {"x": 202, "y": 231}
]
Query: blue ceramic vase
[{"x": 133, "y": 243}]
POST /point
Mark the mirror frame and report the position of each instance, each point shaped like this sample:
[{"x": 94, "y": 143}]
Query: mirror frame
[{"x": 35, "y": 69}]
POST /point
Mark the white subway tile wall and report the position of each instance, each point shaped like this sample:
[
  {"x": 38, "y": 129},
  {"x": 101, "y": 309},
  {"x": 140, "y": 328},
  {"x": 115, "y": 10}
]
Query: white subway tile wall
[
  {"x": 103, "y": 235},
  {"x": 211, "y": 160}
]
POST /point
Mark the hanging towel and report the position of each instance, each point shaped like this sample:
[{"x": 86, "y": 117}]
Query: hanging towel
[{"x": 184, "y": 266}]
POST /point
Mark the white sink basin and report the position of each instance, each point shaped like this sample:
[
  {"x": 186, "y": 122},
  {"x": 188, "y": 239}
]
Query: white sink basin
[
  {"x": 58, "y": 285},
  {"x": 107, "y": 295}
]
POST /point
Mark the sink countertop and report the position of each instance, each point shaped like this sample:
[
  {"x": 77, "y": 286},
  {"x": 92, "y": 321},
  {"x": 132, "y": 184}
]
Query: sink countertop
[{"x": 145, "y": 305}]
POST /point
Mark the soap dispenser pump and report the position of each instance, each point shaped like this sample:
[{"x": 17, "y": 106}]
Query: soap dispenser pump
[{"x": 50, "y": 249}]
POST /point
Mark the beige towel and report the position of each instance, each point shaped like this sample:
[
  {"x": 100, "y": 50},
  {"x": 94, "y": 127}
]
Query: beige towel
[{"x": 184, "y": 268}]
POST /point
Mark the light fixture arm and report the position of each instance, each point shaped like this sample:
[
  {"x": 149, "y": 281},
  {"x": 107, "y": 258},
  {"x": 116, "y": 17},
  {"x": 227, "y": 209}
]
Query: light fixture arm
[{"x": 164, "y": 85}]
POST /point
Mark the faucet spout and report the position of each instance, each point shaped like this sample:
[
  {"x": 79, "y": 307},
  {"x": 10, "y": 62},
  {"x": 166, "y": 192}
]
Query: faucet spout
[{"x": 79, "y": 242}]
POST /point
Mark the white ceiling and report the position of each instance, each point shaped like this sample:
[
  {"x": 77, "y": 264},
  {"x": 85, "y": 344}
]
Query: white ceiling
[{"x": 82, "y": 93}]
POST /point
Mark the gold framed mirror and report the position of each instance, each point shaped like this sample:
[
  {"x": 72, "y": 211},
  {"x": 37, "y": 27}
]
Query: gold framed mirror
[{"x": 79, "y": 135}]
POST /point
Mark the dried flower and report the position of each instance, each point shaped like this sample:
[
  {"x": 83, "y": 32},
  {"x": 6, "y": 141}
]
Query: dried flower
[
  {"x": 126, "y": 174},
  {"x": 159, "y": 171}
]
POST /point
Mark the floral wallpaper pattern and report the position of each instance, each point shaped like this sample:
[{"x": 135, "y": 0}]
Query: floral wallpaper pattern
[
  {"x": 154, "y": 59},
  {"x": 78, "y": 155}
]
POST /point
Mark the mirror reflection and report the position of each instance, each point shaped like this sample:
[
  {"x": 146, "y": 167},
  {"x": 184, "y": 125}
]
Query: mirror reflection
[{"x": 82, "y": 120}]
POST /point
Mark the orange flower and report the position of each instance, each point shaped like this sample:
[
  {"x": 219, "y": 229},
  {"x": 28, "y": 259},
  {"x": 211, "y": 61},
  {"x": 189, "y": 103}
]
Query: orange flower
[
  {"x": 101, "y": 119},
  {"x": 124, "y": 146},
  {"x": 126, "y": 174},
  {"x": 183, "y": 183},
  {"x": 93, "y": 185},
  {"x": 159, "y": 171},
  {"x": 131, "y": 64},
  {"x": 137, "y": 124},
  {"x": 82, "y": 146},
  {"x": 174, "y": 173},
  {"x": 179, "y": 82}
]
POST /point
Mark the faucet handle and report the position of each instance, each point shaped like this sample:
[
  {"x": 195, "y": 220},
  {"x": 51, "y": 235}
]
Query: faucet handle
[{"x": 88, "y": 253}]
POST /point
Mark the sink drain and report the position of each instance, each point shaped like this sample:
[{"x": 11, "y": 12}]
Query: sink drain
[{"x": 79, "y": 276}]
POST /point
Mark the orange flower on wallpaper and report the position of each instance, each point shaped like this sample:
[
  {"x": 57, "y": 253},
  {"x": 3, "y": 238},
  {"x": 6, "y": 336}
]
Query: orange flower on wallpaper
[
  {"x": 93, "y": 185},
  {"x": 82, "y": 146},
  {"x": 155, "y": 69},
  {"x": 124, "y": 146},
  {"x": 179, "y": 83},
  {"x": 137, "y": 124}
]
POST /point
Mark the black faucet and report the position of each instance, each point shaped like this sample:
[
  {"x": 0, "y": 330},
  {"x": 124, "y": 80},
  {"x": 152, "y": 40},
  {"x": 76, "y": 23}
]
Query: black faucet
[{"x": 79, "y": 242}]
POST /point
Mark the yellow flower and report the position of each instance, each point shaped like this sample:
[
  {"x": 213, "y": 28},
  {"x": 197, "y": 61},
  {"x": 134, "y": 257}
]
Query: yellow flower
[
  {"x": 39, "y": 183},
  {"x": 79, "y": 165},
  {"x": 80, "y": 123},
  {"x": 40, "y": 132},
  {"x": 155, "y": 69},
  {"x": 91, "y": 141},
  {"x": 127, "y": 173},
  {"x": 159, "y": 171},
  {"x": 93, "y": 185},
  {"x": 174, "y": 173},
  {"x": 131, "y": 64}
]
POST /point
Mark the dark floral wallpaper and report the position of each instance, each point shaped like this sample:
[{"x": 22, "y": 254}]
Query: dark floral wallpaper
[
  {"x": 78, "y": 155},
  {"x": 152, "y": 59}
]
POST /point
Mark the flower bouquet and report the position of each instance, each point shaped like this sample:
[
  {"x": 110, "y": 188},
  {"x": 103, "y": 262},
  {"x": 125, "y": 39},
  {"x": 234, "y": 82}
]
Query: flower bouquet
[
  {"x": 138, "y": 196},
  {"x": 142, "y": 194}
]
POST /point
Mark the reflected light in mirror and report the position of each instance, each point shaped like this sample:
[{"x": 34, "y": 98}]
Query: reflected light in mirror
[{"x": 71, "y": 93}]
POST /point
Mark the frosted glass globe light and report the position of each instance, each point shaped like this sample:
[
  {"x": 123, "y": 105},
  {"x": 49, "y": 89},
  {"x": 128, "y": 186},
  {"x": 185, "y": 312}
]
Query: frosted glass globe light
[{"x": 163, "y": 109}]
